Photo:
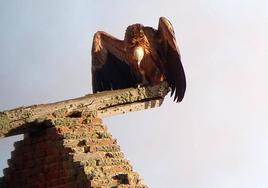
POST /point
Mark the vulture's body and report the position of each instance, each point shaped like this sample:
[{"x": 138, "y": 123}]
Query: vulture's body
[{"x": 145, "y": 56}]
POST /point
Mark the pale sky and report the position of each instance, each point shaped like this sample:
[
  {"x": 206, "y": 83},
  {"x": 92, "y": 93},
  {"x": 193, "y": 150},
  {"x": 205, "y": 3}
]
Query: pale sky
[{"x": 216, "y": 138}]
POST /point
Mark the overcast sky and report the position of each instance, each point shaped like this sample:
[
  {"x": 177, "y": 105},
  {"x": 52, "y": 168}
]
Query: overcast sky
[{"x": 216, "y": 138}]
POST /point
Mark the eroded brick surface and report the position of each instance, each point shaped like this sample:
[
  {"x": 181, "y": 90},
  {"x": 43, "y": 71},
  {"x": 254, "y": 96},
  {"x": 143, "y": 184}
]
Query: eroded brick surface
[{"x": 75, "y": 152}]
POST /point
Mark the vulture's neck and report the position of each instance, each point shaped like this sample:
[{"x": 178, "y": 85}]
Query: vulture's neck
[{"x": 138, "y": 54}]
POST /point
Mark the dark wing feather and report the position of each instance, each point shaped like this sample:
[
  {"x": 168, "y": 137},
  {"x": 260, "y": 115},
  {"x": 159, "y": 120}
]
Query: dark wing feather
[
  {"x": 174, "y": 69},
  {"x": 109, "y": 69},
  {"x": 114, "y": 74},
  {"x": 175, "y": 75}
]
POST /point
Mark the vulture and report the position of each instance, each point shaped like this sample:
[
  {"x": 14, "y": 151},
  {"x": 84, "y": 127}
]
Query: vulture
[{"x": 146, "y": 56}]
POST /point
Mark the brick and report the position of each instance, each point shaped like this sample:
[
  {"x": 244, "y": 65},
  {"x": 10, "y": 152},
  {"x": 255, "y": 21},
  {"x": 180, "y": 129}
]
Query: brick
[
  {"x": 71, "y": 154},
  {"x": 19, "y": 144},
  {"x": 66, "y": 185},
  {"x": 52, "y": 151},
  {"x": 96, "y": 121},
  {"x": 115, "y": 169}
]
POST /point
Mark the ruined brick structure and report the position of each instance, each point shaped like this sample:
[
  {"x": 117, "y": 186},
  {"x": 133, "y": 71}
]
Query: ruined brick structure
[
  {"x": 67, "y": 145},
  {"x": 75, "y": 152}
]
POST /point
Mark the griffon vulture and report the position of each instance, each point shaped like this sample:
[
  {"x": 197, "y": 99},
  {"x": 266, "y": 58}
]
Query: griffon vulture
[{"x": 145, "y": 56}]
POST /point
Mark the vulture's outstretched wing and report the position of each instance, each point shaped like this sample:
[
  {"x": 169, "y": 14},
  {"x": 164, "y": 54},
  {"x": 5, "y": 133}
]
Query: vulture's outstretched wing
[
  {"x": 109, "y": 67},
  {"x": 173, "y": 66}
]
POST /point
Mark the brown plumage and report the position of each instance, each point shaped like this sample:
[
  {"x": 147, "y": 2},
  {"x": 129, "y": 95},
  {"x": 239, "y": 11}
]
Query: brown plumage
[{"x": 145, "y": 56}]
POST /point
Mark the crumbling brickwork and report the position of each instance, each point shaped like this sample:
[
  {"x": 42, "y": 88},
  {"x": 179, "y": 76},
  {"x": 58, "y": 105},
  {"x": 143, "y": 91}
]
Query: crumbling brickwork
[{"x": 69, "y": 152}]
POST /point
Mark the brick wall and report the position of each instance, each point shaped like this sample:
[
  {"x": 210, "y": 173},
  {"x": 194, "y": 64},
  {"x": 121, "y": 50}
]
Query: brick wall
[{"x": 69, "y": 152}]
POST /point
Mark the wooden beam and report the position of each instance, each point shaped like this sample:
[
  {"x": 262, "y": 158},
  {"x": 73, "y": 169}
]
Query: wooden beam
[{"x": 103, "y": 104}]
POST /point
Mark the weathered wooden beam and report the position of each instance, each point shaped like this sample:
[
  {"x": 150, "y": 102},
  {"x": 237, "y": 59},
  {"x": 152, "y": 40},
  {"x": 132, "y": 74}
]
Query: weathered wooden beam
[
  {"x": 130, "y": 107},
  {"x": 103, "y": 104}
]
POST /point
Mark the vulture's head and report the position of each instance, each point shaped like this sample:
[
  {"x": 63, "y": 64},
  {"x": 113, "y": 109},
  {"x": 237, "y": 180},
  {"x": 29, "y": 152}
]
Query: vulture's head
[{"x": 135, "y": 36}]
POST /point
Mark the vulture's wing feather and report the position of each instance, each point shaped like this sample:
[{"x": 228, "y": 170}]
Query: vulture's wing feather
[
  {"x": 109, "y": 67},
  {"x": 174, "y": 69}
]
